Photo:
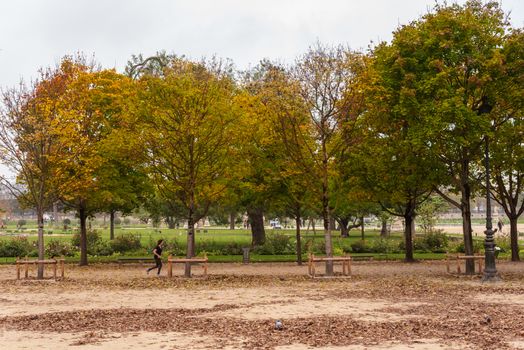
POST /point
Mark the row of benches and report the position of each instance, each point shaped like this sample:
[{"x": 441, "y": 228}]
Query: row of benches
[{"x": 312, "y": 260}]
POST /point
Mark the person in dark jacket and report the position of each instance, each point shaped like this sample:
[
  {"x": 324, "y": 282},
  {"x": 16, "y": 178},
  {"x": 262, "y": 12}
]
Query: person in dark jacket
[{"x": 157, "y": 255}]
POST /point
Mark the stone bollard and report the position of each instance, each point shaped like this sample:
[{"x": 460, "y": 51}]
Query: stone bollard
[{"x": 245, "y": 256}]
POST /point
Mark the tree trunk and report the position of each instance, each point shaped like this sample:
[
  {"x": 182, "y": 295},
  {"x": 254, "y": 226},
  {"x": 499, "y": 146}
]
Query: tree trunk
[
  {"x": 111, "y": 224},
  {"x": 344, "y": 227},
  {"x": 299, "y": 243},
  {"x": 232, "y": 218},
  {"x": 190, "y": 247},
  {"x": 171, "y": 224},
  {"x": 327, "y": 231},
  {"x": 362, "y": 227},
  {"x": 332, "y": 223},
  {"x": 256, "y": 219},
  {"x": 83, "y": 235},
  {"x": 466, "y": 227},
  {"x": 384, "y": 229},
  {"x": 514, "y": 237},
  {"x": 408, "y": 238},
  {"x": 56, "y": 223},
  {"x": 40, "y": 221}
]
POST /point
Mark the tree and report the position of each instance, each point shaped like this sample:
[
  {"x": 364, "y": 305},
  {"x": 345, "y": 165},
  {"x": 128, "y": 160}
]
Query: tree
[
  {"x": 187, "y": 113},
  {"x": 26, "y": 142},
  {"x": 507, "y": 140},
  {"x": 90, "y": 107},
  {"x": 311, "y": 129},
  {"x": 441, "y": 67}
]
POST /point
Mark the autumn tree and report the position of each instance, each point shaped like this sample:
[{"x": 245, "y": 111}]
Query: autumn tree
[
  {"x": 27, "y": 116},
  {"x": 187, "y": 115},
  {"x": 312, "y": 134},
  {"x": 91, "y": 108},
  {"x": 507, "y": 139},
  {"x": 441, "y": 67}
]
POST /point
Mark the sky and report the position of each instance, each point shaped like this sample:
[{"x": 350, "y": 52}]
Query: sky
[{"x": 38, "y": 33}]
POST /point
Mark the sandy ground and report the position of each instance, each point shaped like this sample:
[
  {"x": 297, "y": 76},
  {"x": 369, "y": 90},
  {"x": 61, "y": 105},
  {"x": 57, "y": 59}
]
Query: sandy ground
[{"x": 384, "y": 305}]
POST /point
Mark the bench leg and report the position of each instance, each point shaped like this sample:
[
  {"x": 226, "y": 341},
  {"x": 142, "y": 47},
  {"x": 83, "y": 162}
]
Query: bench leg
[
  {"x": 458, "y": 266},
  {"x": 54, "y": 270},
  {"x": 17, "y": 271},
  {"x": 26, "y": 270},
  {"x": 62, "y": 268}
]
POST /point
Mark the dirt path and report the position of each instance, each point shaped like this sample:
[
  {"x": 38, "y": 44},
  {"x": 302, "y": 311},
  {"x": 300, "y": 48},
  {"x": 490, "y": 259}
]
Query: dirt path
[{"x": 384, "y": 305}]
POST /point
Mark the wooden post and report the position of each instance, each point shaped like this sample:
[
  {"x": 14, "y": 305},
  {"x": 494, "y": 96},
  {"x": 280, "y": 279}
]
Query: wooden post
[
  {"x": 458, "y": 265},
  {"x": 349, "y": 266},
  {"x": 17, "y": 270},
  {"x": 447, "y": 263},
  {"x": 54, "y": 269},
  {"x": 62, "y": 267},
  {"x": 26, "y": 268},
  {"x": 169, "y": 266},
  {"x": 205, "y": 264}
]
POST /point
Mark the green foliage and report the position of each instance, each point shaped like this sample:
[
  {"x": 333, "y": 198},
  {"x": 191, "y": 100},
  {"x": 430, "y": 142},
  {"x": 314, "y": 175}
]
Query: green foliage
[
  {"x": 277, "y": 244},
  {"x": 361, "y": 247},
  {"x": 117, "y": 221},
  {"x": 16, "y": 247},
  {"x": 125, "y": 243},
  {"x": 433, "y": 241},
  {"x": 93, "y": 240},
  {"x": 59, "y": 248},
  {"x": 427, "y": 212},
  {"x": 385, "y": 246},
  {"x": 21, "y": 223},
  {"x": 458, "y": 246}
]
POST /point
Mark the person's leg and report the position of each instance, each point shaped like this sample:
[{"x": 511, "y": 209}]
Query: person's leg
[{"x": 159, "y": 263}]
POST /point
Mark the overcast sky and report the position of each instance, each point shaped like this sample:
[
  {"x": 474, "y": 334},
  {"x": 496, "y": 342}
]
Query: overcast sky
[{"x": 37, "y": 33}]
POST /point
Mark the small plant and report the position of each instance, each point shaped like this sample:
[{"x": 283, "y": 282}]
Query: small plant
[
  {"x": 59, "y": 248},
  {"x": 16, "y": 247},
  {"x": 125, "y": 243},
  {"x": 117, "y": 221},
  {"x": 93, "y": 238},
  {"x": 127, "y": 221},
  {"x": 20, "y": 224},
  {"x": 360, "y": 247},
  {"x": 66, "y": 222}
]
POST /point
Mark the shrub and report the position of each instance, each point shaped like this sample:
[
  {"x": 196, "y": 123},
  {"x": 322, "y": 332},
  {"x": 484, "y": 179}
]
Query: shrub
[
  {"x": 102, "y": 248},
  {"x": 125, "y": 243},
  {"x": 437, "y": 241},
  {"x": 117, "y": 221},
  {"x": 360, "y": 247},
  {"x": 127, "y": 221},
  {"x": 384, "y": 245},
  {"x": 504, "y": 243},
  {"x": 458, "y": 247},
  {"x": 276, "y": 243},
  {"x": 21, "y": 223},
  {"x": 59, "y": 248},
  {"x": 93, "y": 238},
  {"x": 16, "y": 247},
  {"x": 66, "y": 223},
  {"x": 171, "y": 246}
]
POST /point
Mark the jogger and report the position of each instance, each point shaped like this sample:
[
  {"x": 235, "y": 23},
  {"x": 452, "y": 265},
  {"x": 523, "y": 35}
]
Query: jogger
[{"x": 157, "y": 255}]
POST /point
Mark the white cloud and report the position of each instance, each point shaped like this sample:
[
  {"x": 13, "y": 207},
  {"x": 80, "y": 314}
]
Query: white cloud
[{"x": 36, "y": 33}]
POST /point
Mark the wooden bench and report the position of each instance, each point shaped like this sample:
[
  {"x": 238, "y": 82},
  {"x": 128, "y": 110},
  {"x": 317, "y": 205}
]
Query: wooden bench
[
  {"x": 345, "y": 260},
  {"x": 458, "y": 258},
  {"x": 194, "y": 260},
  {"x": 26, "y": 262},
  {"x": 138, "y": 260}
]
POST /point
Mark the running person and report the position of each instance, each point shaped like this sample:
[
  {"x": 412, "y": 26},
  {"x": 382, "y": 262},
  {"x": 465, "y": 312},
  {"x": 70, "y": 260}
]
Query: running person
[{"x": 157, "y": 255}]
